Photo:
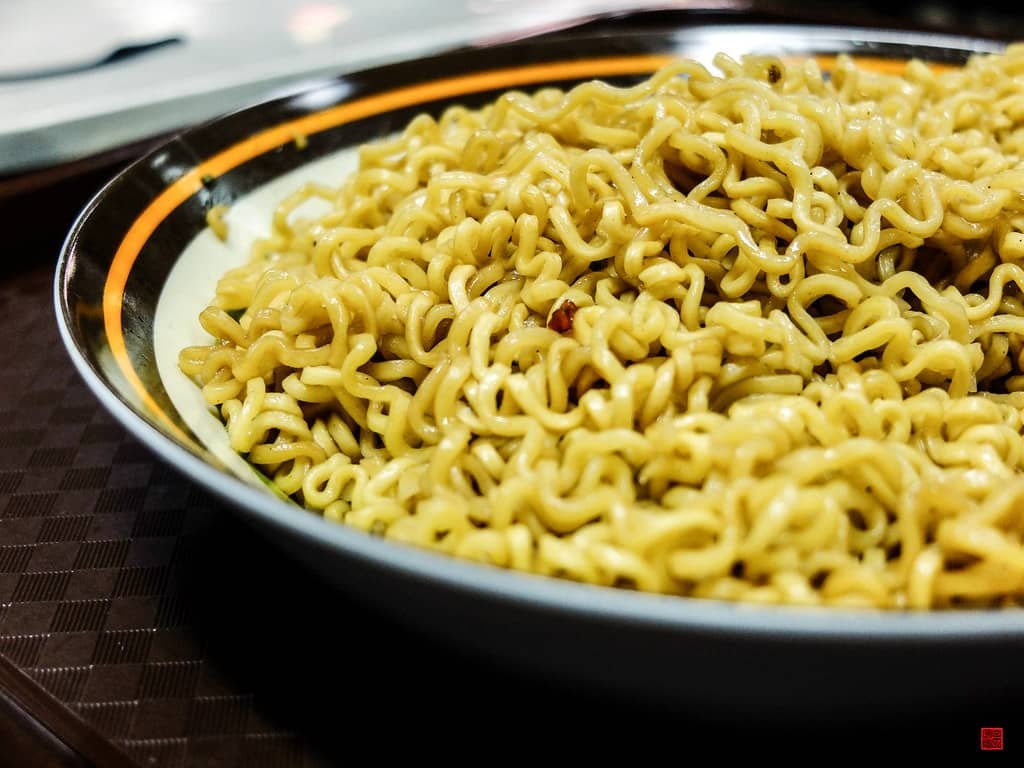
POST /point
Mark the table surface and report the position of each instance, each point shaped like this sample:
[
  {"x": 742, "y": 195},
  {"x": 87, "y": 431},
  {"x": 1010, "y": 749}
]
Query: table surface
[
  {"x": 142, "y": 623},
  {"x": 156, "y": 66}
]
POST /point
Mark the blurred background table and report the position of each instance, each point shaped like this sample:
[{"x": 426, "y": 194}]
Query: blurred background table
[
  {"x": 82, "y": 77},
  {"x": 142, "y": 623}
]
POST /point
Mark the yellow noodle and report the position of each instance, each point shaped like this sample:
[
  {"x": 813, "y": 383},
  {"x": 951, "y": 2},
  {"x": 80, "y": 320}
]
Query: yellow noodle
[
  {"x": 793, "y": 369},
  {"x": 215, "y": 221}
]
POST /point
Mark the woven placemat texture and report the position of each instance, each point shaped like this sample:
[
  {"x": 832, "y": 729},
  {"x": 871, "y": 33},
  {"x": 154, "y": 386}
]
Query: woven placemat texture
[{"x": 93, "y": 537}]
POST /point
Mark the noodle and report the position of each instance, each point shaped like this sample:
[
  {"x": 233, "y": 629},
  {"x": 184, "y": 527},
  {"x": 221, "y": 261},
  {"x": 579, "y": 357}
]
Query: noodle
[
  {"x": 215, "y": 221},
  {"x": 757, "y": 336}
]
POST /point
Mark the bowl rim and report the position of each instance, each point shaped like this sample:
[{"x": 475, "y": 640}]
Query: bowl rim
[{"x": 626, "y": 609}]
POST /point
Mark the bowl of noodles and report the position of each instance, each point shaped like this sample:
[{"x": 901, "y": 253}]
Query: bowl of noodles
[{"x": 688, "y": 361}]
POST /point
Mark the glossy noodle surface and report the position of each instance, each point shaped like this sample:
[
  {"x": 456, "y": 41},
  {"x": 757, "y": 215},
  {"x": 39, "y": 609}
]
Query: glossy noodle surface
[{"x": 752, "y": 334}]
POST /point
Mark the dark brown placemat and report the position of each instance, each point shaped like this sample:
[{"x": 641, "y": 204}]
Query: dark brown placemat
[{"x": 93, "y": 537}]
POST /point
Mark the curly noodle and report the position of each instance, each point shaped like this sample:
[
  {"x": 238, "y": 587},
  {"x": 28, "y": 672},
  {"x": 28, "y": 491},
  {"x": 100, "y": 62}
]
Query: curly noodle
[{"x": 757, "y": 336}]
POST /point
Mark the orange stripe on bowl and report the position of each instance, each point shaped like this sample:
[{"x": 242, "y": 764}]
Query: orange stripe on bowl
[
  {"x": 876, "y": 64},
  {"x": 192, "y": 181}
]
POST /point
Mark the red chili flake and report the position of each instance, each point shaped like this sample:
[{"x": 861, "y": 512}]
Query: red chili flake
[{"x": 561, "y": 318}]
